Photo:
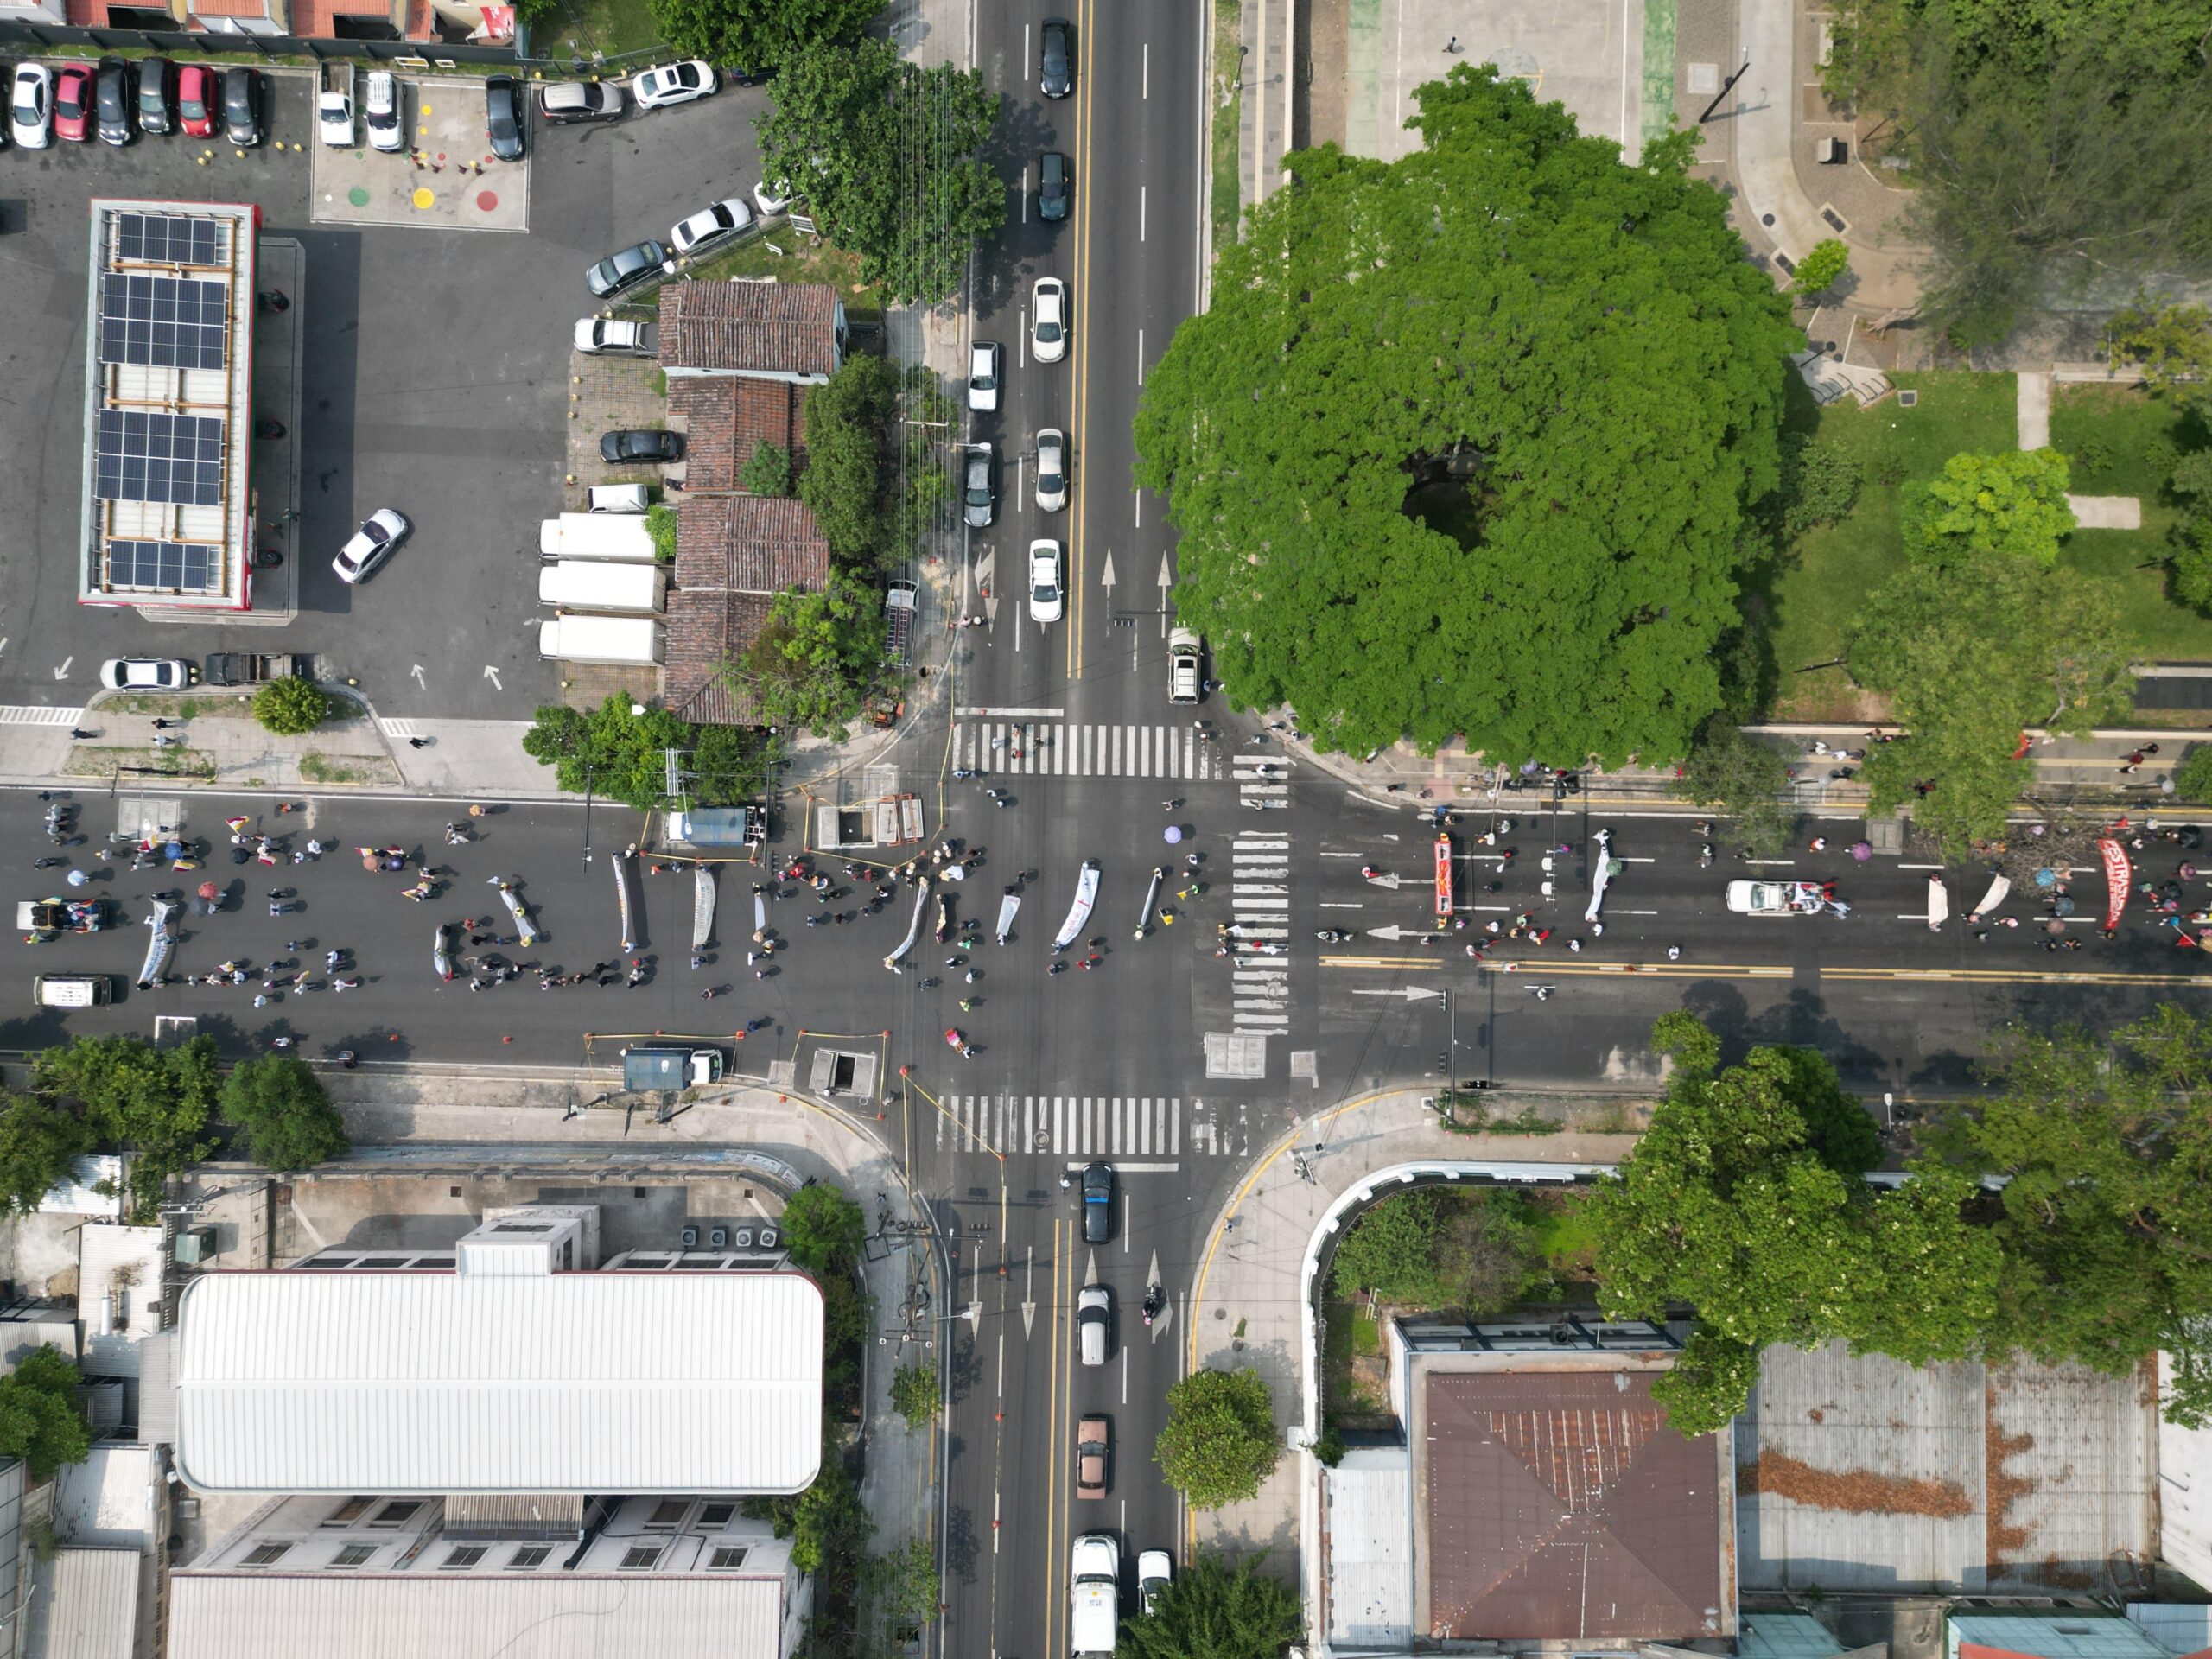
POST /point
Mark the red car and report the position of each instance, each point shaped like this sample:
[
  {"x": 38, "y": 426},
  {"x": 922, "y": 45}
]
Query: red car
[
  {"x": 196, "y": 99},
  {"x": 73, "y": 102}
]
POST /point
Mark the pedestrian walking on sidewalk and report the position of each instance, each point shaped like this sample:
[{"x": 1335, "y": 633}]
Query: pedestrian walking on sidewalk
[
  {"x": 1451, "y": 46},
  {"x": 418, "y": 742}
]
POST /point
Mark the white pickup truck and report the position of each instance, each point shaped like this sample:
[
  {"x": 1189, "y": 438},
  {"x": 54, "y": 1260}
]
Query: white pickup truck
[{"x": 334, "y": 107}]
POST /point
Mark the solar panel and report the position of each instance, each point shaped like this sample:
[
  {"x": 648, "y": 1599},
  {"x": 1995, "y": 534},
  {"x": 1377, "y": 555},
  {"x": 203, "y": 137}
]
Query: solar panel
[
  {"x": 165, "y": 321},
  {"x": 144, "y": 456},
  {"x": 181, "y": 565},
  {"x": 163, "y": 240}
]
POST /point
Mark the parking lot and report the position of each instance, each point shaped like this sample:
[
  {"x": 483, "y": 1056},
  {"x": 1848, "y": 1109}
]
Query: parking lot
[{"x": 435, "y": 380}]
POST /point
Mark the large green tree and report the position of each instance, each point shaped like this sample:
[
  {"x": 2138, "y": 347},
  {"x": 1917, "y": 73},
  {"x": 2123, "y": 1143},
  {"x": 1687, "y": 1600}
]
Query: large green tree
[
  {"x": 887, "y": 155},
  {"x": 2012, "y": 503},
  {"x": 41, "y": 1421},
  {"x": 39, "y": 1141},
  {"x": 285, "y": 1112},
  {"x": 847, "y": 418},
  {"x": 1220, "y": 1441},
  {"x": 1466, "y": 441},
  {"x": 817, "y": 657},
  {"x": 1745, "y": 1200},
  {"x": 1728, "y": 768},
  {"x": 622, "y": 756},
  {"x": 758, "y": 34},
  {"x": 1214, "y": 1610},
  {"x": 153, "y": 1103},
  {"x": 823, "y": 1230}
]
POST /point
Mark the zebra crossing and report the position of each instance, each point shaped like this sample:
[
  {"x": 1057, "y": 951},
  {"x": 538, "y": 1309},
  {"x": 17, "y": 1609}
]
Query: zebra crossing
[
  {"x": 1081, "y": 1126},
  {"x": 22, "y": 713},
  {"x": 1259, "y": 896},
  {"x": 1080, "y": 749}
]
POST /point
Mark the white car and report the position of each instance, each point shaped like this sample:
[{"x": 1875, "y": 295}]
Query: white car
[
  {"x": 1154, "y": 1574},
  {"x": 615, "y": 337},
  {"x": 711, "y": 224},
  {"x": 1046, "y": 599},
  {"x": 370, "y": 546},
  {"x": 1052, "y": 470},
  {"x": 30, "y": 106},
  {"x": 380, "y": 105},
  {"x": 772, "y": 198},
  {"x": 1048, "y": 320},
  {"x": 1094, "y": 1323},
  {"x": 147, "y": 674},
  {"x": 983, "y": 376},
  {"x": 1774, "y": 897},
  {"x": 673, "y": 83}
]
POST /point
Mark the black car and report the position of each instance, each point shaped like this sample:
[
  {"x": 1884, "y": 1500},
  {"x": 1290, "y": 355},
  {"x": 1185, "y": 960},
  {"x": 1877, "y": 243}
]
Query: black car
[
  {"x": 633, "y": 444},
  {"x": 242, "y": 106},
  {"x": 112, "y": 101},
  {"x": 1056, "y": 60},
  {"x": 1052, "y": 186},
  {"x": 157, "y": 95},
  {"x": 1097, "y": 1203},
  {"x": 503, "y": 117},
  {"x": 625, "y": 269}
]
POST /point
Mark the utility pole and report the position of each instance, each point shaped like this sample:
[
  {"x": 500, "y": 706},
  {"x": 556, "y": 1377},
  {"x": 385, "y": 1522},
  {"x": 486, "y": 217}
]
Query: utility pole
[{"x": 1726, "y": 86}]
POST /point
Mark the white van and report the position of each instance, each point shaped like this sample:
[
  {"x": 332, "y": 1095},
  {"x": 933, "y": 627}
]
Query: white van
[
  {"x": 1183, "y": 655},
  {"x": 70, "y": 990},
  {"x": 602, "y": 585},
  {"x": 596, "y": 536},
  {"x": 624, "y": 640},
  {"x": 1093, "y": 1592},
  {"x": 617, "y": 498}
]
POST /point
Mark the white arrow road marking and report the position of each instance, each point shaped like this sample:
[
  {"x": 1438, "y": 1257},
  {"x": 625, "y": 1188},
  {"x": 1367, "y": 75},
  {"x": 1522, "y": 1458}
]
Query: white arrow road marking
[
  {"x": 1411, "y": 993},
  {"x": 420, "y": 684},
  {"x": 1106, "y": 573},
  {"x": 62, "y": 673},
  {"x": 1028, "y": 1303},
  {"x": 493, "y": 675}
]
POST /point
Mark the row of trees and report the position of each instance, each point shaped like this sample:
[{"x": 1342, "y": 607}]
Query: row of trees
[{"x": 1745, "y": 1201}]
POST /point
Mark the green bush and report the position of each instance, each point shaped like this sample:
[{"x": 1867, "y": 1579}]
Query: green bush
[
  {"x": 1820, "y": 484},
  {"x": 913, "y": 1394},
  {"x": 1330, "y": 1448},
  {"x": 768, "y": 471},
  {"x": 2193, "y": 777},
  {"x": 1822, "y": 268},
  {"x": 290, "y": 706},
  {"x": 660, "y": 524}
]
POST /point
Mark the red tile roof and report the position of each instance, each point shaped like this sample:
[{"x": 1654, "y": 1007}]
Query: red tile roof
[
  {"x": 725, "y": 418},
  {"x": 757, "y": 328},
  {"x": 734, "y": 554},
  {"x": 707, "y": 629}
]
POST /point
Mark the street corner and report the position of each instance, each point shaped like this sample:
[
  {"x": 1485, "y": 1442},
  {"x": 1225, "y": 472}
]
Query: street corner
[{"x": 446, "y": 178}]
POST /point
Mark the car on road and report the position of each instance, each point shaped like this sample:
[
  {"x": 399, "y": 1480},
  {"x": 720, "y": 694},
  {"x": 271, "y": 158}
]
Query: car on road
[
  {"x": 710, "y": 225},
  {"x": 673, "y": 83},
  {"x": 983, "y": 359},
  {"x": 1093, "y": 1592},
  {"x": 636, "y": 446},
  {"x": 1098, "y": 1178},
  {"x": 562, "y": 102},
  {"x": 1048, "y": 320},
  {"x": 157, "y": 97},
  {"x": 1092, "y": 1444},
  {"x": 148, "y": 674},
  {"x": 1052, "y": 189},
  {"x": 1773, "y": 899},
  {"x": 1185, "y": 651},
  {"x": 112, "y": 102},
  {"x": 503, "y": 117},
  {"x": 1055, "y": 59},
  {"x": 1094, "y": 1323},
  {"x": 370, "y": 545},
  {"x": 242, "y": 106},
  {"x": 633, "y": 265},
  {"x": 1046, "y": 602},
  {"x": 196, "y": 99},
  {"x": 73, "y": 102},
  {"x": 615, "y": 337},
  {"x": 30, "y": 106},
  {"x": 1051, "y": 469},
  {"x": 381, "y": 112},
  {"x": 982, "y": 497},
  {"x": 1154, "y": 1574}
]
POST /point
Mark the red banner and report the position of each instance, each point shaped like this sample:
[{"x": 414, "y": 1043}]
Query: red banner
[
  {"x": 2117, "y": 874},
  {"x": 1443, "y": 878}
]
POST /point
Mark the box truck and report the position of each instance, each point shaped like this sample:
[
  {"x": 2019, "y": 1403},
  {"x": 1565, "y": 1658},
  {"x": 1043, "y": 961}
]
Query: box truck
[
  {"x": 602, "y": 585},
  {"x": 623, "y": 640},
  {"x": 596, "y": 536}
]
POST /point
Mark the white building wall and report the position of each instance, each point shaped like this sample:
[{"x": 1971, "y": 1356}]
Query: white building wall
[{"x": 2184, "y": 1493}]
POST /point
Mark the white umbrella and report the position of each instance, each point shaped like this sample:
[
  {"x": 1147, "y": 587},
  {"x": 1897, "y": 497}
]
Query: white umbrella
[{"x": 1601, "y": 876}]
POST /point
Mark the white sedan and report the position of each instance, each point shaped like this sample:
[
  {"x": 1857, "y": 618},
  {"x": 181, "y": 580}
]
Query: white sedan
[
  {"x": 712, "y": 224},
  {"x": 1775, "y": 898},
  {"x": 1046, "y": 599},
  {"x": 673, "y": 83},
  {"x": 370, "y": 546},
  {"x": 1052, "y": 470},
  {"x": 147, "y": 674},
  {"x": 30, "y": 106},
  {"x": 1048, "y": 322}
]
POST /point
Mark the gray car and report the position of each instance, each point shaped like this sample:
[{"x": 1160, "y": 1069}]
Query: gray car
[
  {"x": 1055, "y": 59},
  {"x": 982, "y": 495},
  {"x": 625, "y": 270}
]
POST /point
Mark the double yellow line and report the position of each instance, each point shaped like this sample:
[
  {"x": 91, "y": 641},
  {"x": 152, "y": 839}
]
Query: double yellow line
[
  {"x": 1079, "y": 590},
  {"x": 1059, "y": 1431}
]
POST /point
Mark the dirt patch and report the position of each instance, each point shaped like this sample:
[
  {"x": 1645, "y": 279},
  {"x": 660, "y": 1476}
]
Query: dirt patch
[
  {"x": 2000, "y": 1538},
  {"x": 1854, "y": 1492}
]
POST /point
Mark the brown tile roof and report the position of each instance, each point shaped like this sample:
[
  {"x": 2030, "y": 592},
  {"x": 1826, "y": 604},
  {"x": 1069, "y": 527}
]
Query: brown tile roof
[
  {"x": 765, "y": 328},
  {"x": 749, "y": 544},
  {"x": 707, "y": 628},
  {"x": 725, "y": 417},
  {"x": 1561, "y": 1506}
]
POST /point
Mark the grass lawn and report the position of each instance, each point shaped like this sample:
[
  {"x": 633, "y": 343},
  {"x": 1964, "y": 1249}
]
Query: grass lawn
[
  {"x": 1351, "y": 1335},
  {"x": 595, "y": 29},
  {"x": 804, "y": 259},
  {"x": 1227, "y": 110}
]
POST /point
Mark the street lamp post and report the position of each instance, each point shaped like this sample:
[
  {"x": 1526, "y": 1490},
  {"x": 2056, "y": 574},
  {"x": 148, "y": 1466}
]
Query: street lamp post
[{"x": 1726, "y": 86}]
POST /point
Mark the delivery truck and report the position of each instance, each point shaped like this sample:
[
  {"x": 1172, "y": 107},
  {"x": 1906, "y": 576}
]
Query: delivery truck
[
  {"x": 719, "y": 826},
  {"x": 596, "y": 536},
  {"x": 638, "y": 641},
  {"x": 602, "y": 585}
]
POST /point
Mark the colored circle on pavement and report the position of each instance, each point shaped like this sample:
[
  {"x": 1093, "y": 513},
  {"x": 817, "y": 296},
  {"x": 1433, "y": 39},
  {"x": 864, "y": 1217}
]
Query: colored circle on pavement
[
  {"x": 489, "y": 200},
  {"x": 357, "y": 196},
  {"x": 424, "y": 198}
]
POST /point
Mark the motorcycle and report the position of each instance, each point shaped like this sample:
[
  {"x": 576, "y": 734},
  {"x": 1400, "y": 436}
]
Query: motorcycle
[
  {"x": 1155, "y": 1299},
  {"x": 1332, "y": 936},
  {"x": 954, "y": 1040}
]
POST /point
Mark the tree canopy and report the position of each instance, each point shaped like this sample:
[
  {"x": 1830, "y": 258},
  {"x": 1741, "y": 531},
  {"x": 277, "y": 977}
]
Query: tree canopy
[
  {"x": 816, "y": 657},
  {"x": 846, "y": 418},
  {"x": 758, "y": 34},
  {"x": 41, "y": 1421},
  {"x": 823, "y": 1228},
  {"x": 621, "y": 756},
  {"x": 1213, "y": 1610},
  {"x": 1220, "y": 1441},
  {"x": 155, "y": 1103},
  {"x": 39, "y": 1141},
  {"x": 1466, "y": 442},
  {"x": 285, "y": 1112}
]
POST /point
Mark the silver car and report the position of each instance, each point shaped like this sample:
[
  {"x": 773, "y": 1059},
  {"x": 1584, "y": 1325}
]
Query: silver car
[
  {"x": 981, "y": 497},
  {"x": 1052, "y": 470}
]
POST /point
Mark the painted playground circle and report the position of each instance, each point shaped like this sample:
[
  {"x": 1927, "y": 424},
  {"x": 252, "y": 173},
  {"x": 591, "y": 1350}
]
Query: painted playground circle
[{"x": 447, "y": 177}]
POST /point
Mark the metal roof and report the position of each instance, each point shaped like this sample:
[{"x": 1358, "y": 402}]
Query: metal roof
[
  {"x": 2059, "y": 1634},
  {"x": 433, "y": 1382},
  {"x": 1368, "y": 1529},
  {"x": 85, "y": 1605}
]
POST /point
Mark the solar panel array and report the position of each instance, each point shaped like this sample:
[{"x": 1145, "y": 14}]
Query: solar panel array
[
  {"x": 182, "y": 565},
  {"x": 163, "y": 240},
  {"x": 165, "y": 321},
  {"x": 144, "y": 456}
]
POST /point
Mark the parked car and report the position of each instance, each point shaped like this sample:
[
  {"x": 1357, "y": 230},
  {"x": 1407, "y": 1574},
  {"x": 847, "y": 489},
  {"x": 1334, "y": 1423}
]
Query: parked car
[
  {"x": 112, "y": 102},
  {"x": 1052, "y": 187},
  {"x": 157, "y": 97},
  {"x": 73, "y": 102},
  {"x": 30, "y": 106},
  {"x": 615, "y": 337},
  {"x": 1154, "y": 1574},
  {"x": 981, "y": 496},
  {"x": 1052, "y": 470},
  {"x": 634, "y": 446},
  {"x": 627, "y": 268},
  {"x": 711, "y": 225},
  {"x": 1091, "y": 1446},
  {"x": 242, "y": 106},
  {"x": 673, "y": 83},
  {"x": 563, "y": 102},
  {"x": 370, "y": 545},
  {"x": 382, "y": 112},
  {"x": 196, "y": 99},
  {"x": 1048, "y": 321},
  {"x": 147, "y": 674},
  {"x": 1055, "y": 59},
  {"x": 503, "y": 115},
  {"x": 983, "y": 375}
]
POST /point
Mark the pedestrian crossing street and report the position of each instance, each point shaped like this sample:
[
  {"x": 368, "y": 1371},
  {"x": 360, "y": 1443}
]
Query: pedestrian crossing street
[
  {"x": 1081, "y": 1126},
  {"x": 1259, "y": 899},
  {"x": 1042, "y": 748}
]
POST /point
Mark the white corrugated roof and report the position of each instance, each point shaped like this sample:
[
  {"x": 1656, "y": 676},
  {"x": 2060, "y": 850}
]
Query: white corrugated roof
[
  {"x": 433, "y": 1383},
  {"x": 466, "y": 1615},
  {"x": 84, "y": 1606}
]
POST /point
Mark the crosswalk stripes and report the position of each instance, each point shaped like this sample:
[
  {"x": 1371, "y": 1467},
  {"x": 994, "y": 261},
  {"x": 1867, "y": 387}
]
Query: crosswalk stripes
[
  {"x": 1262, "y": 781},
  {"x": 1259, "y": 902},
  {"x": 1079, "y": 1126},
  {"x": 25, "y": 714},
  {"x": 1080, "y": 749}
]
